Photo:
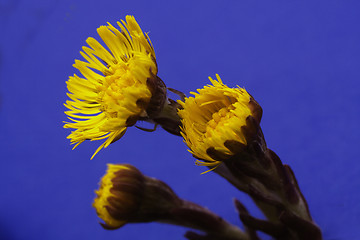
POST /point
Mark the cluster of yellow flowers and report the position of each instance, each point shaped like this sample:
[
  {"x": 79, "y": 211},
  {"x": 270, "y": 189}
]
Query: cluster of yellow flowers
[
  {"x": 117, "y": 89},
  {"x": 103, "y": 106},
  {"x": 119, "y": 86}
]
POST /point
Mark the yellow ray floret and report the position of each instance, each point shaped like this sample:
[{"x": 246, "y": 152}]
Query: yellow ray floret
[
  {"x": 103, "y": 100},
  {"x": 214, "y": 115}
]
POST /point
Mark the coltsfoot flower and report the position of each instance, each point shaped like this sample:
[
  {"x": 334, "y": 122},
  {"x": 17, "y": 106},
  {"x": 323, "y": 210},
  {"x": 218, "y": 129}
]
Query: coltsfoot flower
[
  {"x": 120, "y": 193},
  {"x": 126, "y": 195},
  {"x": 117, "y": 86},
  {"x": 214, "y": 121}
]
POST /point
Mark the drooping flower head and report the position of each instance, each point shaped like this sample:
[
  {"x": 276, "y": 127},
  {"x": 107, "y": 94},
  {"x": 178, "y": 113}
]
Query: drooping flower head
[
  {"x": 120, "y": 193},
  {"x": 126, "y": 196},
  {"x": 117, "y": 83},
  {"x": 213, "y": 120}
]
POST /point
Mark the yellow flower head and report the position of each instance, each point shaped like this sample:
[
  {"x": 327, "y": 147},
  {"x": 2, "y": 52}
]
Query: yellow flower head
[
  {"x": 128, "y": 196},
  {"x": 119, "y": 196},
  {"x": 113, "y": 91},
  {"x": 213, "y": 118}
]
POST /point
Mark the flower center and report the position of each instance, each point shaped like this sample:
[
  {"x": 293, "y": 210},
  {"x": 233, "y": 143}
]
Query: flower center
[
  {"x": 110, "y": 94},
  {"x": 219, "y": 120},
  {"x": 120, "y": 90},
  {"x": 216, "y": 114}
]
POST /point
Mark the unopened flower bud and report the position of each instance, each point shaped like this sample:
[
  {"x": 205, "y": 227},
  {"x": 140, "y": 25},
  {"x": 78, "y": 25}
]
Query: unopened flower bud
[{"x": 126, "y": 195}]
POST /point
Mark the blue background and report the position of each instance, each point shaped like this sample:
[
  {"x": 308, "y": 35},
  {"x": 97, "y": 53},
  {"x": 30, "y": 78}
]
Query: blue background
[{"x": 299, "y": 59}]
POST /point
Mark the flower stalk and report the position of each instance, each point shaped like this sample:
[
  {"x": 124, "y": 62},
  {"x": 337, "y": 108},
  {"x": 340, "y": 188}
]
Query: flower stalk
[{"x": 274, "y": 189}]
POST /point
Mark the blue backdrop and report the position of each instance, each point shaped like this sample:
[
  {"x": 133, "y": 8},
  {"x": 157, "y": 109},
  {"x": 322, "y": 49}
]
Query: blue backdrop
[{"x": 299, "y": 59}]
